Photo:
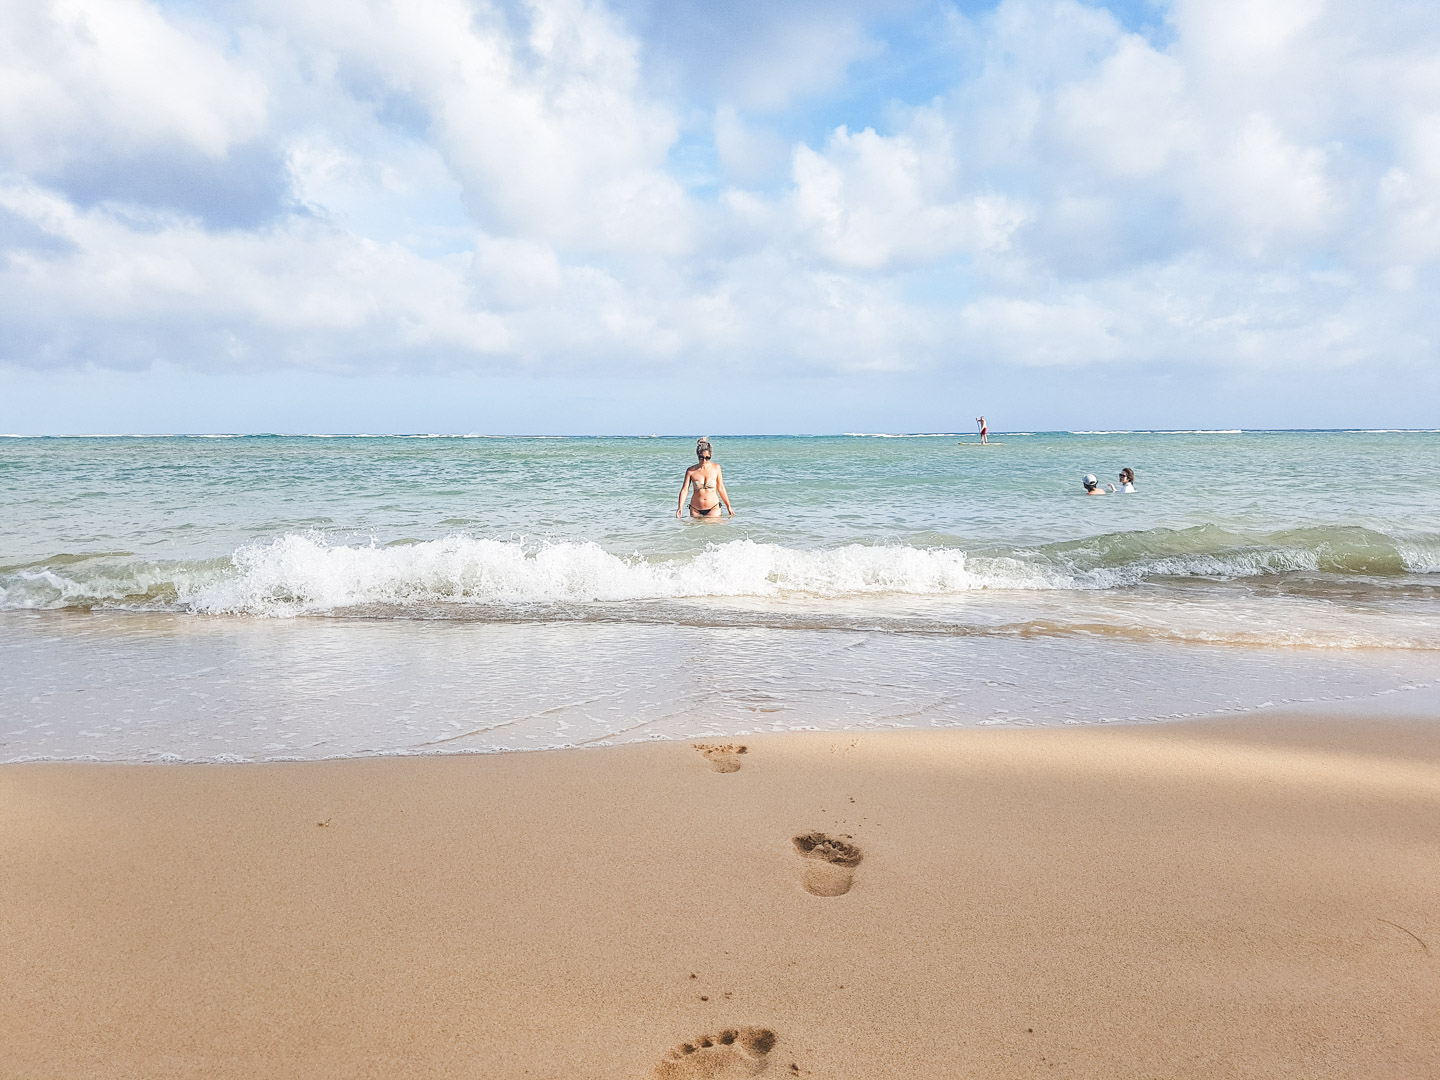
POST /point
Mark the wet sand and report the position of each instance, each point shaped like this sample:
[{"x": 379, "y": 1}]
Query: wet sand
[{"x": 1257, "y": 897}]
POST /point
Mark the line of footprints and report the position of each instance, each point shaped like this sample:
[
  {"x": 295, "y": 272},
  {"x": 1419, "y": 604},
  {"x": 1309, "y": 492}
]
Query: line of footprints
[{"x": 829, "y": 870}]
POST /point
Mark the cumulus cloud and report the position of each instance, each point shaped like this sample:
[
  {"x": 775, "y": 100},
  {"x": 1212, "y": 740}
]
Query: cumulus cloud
[
  {"x": 350, "y": 184},
  {"x": 756, "y": 55},
  {"x": 869, "y": 200},
  {"x": 539, "y": 112},
  {"x": 125, "y": 291},
  {"x": 750, "y": 153},
  {"x": 1130, "y": 117},
  {"x": 114, "y": 76}
]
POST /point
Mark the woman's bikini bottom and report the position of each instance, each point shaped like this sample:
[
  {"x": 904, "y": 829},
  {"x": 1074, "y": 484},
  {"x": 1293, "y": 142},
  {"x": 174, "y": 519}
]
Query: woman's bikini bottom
[{"x": 714, "y": 511}]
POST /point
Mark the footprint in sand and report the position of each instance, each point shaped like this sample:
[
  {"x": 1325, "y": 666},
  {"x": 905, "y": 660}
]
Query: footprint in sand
[
  {"x": 734, "y": 1052},
  {"x": 830, "y": 870},
  {"x": 722, "y": 758}
]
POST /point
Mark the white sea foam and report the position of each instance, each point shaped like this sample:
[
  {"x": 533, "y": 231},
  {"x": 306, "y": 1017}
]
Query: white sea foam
[
  {"x": 1419, "y": 556},
  {"x": 360, "y": 688},
  {"x": 297, "y": 574},
  {"x": 301, "y": 573},
  {"x": 1157, "y": 431}
]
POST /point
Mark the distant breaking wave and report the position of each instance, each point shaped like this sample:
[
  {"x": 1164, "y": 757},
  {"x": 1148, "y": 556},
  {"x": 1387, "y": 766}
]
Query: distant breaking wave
[{"x": 299, "y": 574}]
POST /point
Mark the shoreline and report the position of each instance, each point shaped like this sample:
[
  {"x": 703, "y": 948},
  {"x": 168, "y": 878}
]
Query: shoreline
[
  {"x": 1236, "y": 896},
  {"x": 187, "y": 689}
]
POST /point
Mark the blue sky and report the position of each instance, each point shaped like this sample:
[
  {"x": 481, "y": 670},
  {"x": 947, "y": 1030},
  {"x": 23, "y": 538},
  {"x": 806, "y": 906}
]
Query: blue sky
[{"x": 669, "y": 215}]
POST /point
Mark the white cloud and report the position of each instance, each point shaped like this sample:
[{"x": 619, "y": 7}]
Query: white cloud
[
  {"x": 321, "y": 294},
  {"x": 1259, "y": 130},
  {"x": 1261, "y": 186},
  {"x": 1409, "y": 197},
  {"x": 489, "y": 183},
  {"x": 546, "y": 126},
  {"x": 1243, "y": 34},
  {"x": 386, "y": 190},
  {"x": 750, "y": 153},
  {"x": 870, "y": 200},
  {"x": 79, "y": 78},
  {"x": 803, "y": 53},
  {"x": 1034, "y": 333},
  {"x": 516, "y": 273},
  {"x": 755, "y": 55},
  {"x": 1130, "y": 117}
]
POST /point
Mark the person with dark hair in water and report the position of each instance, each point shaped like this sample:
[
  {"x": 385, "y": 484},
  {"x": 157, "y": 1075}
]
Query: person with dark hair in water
[
  {"x": 1127, "y": 480},
  {"x": 708, "y": 484}
]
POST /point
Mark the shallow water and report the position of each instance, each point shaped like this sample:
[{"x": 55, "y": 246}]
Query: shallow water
[{"x": 421, "y": 594}]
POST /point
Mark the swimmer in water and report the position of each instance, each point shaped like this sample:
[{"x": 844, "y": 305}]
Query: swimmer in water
[
  {"x": 1127, "y": 481},
  {"x": 709, "y": 486},
  {"x": 1092, "y": 485}
]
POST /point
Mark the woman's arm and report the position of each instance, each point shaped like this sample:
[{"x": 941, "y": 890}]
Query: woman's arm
[
  {"x": 720, "y": 489},
  {"x": 684, "y": 487}
]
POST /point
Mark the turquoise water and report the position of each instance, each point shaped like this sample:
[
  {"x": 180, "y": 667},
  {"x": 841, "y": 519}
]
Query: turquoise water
[{"x": 1304, "y": 550}]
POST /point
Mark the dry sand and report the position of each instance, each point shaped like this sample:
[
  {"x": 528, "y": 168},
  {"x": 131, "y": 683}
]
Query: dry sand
[{"x": 1256, "y": 898}]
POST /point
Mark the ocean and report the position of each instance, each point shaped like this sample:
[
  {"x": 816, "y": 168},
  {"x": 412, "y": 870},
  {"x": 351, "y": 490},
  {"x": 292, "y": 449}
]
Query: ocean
[{"x": 258, "y": 598}]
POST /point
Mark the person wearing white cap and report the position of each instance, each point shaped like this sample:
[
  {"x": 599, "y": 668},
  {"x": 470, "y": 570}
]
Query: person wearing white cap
[
  {"x": 1092, "y": 485},
  {"x": 708, "y": 483}
]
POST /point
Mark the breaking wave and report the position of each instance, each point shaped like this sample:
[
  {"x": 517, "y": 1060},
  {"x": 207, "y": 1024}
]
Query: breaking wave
[{"x": 298, "y": 574}]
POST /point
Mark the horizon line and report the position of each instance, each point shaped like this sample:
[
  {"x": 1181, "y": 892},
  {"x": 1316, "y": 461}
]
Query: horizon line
[{"x": 752, "y": 435}]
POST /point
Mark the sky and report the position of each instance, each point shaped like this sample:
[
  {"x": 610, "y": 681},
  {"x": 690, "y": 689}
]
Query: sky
[{"x": 729, "y": 216}]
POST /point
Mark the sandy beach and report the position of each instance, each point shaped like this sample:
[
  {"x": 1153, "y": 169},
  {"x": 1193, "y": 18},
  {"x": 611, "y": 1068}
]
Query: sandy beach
[{"x": 1255, "y": 897}]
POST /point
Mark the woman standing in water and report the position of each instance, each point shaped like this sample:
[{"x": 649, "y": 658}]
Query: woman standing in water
[{"x": 709, "y": 486}]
